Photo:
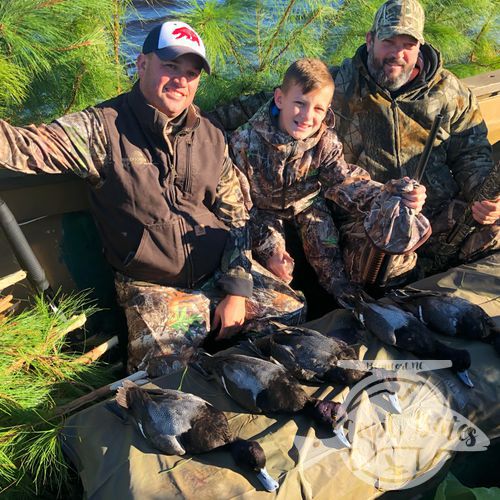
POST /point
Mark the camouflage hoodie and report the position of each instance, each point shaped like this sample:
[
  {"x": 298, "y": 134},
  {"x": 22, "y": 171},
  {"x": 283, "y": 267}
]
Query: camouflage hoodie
[
  {"x": 386, "y": 133},
  {"x": 288, "y": 179}
]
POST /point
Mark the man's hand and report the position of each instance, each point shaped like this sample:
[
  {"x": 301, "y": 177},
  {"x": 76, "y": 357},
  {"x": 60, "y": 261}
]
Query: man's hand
[
  {"x": 486, "y": 211},
  {"x": 415, "y": 199},
  {"x": 229, "y": 315},
  {"x": 281, "y": 264}
]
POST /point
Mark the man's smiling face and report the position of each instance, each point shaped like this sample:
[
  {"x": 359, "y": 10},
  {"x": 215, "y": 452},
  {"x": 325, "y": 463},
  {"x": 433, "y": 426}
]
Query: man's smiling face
[
  {"x": 391, "y": 61},
  {"x": 169, "y": 86}
]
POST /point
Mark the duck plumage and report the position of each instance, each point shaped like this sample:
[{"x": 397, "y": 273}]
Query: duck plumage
[
  {"x": 261, "y": 386},
  {"x": 177, "y": 423},
  {"x": 445, "y": 313},
  {"x": 309, "y": 355}
]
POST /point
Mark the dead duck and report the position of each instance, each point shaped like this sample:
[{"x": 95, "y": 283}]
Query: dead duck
[
  {"x": 311, "y": 357},
  {"x": 308, "y": 355},
  {"x": 177, "y": 423},
  {"x": 445, "y": 313},
  {"x": 264, "y": 387},
  {"x": 401, "y": 329}
]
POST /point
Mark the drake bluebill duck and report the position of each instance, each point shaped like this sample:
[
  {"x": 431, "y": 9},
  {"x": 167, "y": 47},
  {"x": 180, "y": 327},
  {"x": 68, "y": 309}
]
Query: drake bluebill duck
[
  {"x": 177, "y": 423},
  {"x": 401, "y": 329},
  {"x": 445, "y": 313},
  {"x": 264, "y": 387},
  {"x": 311, "y": 357}
]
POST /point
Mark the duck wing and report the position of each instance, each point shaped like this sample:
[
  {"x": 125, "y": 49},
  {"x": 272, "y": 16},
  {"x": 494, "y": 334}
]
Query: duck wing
[
  {"x": 446, "y": 313},
  {"x": 243, "y": 377},
  {"x": 273, "y": 350},
  {"x": 382, "y": 320},
  {"x": 259, "y": 385},
  {"x": 162, "y": 415},
  {"x": 299, "y": 354}
]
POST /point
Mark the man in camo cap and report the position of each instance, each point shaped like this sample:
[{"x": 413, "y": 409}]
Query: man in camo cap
[{"x": 386, "y": 98}]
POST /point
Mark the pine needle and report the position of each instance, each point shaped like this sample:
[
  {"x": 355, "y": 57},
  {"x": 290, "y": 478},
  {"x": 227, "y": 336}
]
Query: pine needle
[{"x": 38, "y": 375}]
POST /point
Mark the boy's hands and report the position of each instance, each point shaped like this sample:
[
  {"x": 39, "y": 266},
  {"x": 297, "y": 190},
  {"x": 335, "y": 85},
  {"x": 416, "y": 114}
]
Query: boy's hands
[
  {"x": 415, "y": 199},
  {"x": 229, "y": 315},
  {"x": 281, "y": 264},
  {"x": 486, "y": 211}
]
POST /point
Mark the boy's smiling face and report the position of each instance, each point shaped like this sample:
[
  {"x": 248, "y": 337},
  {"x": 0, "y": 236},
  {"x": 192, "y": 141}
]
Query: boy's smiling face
[{"x": 301, "y": 115}]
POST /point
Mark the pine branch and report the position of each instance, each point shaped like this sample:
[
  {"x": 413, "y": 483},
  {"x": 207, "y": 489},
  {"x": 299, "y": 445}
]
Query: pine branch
[
  {"x": 484, "y": 29},
  {"x": 116, "y": 42},
  {"x": 280, "y": 24},
  {"x": 258, "y": 42},
  {"x": 76, "y": 87},
  {"x": 293, "y": 36},
  {"x": 76, "y": 46},
  {"x": 48, "y": 4}
]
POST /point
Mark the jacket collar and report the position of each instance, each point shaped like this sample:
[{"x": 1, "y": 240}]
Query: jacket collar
[
  {"x": 263, "y": 123},
  {"x": 157, "y": 122}
]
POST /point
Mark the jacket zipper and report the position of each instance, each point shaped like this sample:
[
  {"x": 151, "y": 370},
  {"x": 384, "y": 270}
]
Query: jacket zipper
[
  {"x": 185, "y": 245},
  {"x": 188, "y": 182},
  {"x": 187, "y": 255},
  {"x": 285, "y": 174},
  {"x": 397, "y": 138}
]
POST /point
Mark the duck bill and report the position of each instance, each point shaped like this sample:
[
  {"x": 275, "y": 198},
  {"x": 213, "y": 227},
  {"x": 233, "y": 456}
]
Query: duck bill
[
  {"x": 464, "y": 377},
  {"x": 267, "y": 481},
  {"x": 394, "y": 403},
  {"x": 339, "y": 433}
]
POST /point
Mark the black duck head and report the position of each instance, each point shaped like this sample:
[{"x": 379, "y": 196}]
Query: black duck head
[
  {"x": 328, "y": 414},
  {"x": 251, "y": 455},
  {"x": 460, "y": 362}
]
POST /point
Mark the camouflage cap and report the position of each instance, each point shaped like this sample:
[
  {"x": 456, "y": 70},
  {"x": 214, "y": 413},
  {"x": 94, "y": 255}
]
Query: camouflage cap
[{"x": 400, "y": 17}]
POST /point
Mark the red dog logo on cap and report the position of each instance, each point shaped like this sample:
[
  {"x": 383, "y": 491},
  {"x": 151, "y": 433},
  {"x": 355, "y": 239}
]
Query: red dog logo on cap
[{"x": 184, "y": 32}]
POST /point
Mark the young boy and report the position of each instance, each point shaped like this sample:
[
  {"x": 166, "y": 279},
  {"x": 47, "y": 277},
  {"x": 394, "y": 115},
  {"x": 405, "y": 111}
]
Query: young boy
[{"x": 289, "y": 153}]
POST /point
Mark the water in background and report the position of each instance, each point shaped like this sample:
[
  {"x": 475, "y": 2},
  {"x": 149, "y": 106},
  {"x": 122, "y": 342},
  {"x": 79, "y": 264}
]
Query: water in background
[{"x": 141, "y": 19}]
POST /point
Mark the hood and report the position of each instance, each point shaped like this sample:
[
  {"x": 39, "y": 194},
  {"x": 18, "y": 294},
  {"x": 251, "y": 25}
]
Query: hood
[
  {"x": 432, "y": 63},
  {"x": 264, "y": 125}
]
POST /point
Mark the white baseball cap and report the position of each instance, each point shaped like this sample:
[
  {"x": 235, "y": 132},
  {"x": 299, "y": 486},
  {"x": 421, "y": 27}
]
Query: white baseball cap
[{"x": 173, "y": 39}]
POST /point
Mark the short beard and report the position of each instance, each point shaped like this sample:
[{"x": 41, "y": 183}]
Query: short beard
[{"x": 377, "y": 72}]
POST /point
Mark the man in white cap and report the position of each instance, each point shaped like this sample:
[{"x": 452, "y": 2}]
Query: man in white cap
[
  {"x": 386, "y": 98},
  {"x": 167, "y": 205}
]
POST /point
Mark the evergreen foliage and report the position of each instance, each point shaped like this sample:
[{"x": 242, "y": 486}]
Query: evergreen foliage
[
  {"x": 252, "y": 42},
  {"x": 37, "y": 377},
  {"x": 58, "y": 56}
]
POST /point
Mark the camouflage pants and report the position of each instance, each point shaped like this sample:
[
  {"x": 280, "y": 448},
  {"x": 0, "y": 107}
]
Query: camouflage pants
[
  {"x": 320, "y": 241},
  {"x": 166, "y": 325}
]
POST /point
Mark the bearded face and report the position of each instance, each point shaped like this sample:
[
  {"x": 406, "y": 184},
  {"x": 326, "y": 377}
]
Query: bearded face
[{"x": 391, "y": 61}]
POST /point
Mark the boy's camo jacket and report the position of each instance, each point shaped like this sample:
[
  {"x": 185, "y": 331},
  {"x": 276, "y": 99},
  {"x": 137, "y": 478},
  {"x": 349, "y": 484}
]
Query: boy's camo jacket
[{"x": 283, "y": 176}]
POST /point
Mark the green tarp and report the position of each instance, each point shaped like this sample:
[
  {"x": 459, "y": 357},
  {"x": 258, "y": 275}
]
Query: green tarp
[{"x": 389, "y": 451}]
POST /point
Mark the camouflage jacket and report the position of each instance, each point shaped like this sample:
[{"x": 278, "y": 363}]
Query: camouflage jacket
[
  {"x": 283, "y": 176},
  {"x": 386, "y": 135},
  {"x": 139, "y": 191}
]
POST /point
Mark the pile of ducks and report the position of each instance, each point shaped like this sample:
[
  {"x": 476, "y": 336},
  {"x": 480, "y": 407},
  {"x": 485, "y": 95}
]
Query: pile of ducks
[{"x": 269, "y": 381}]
